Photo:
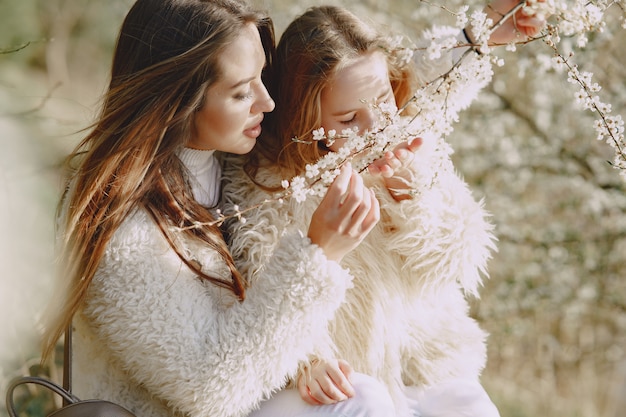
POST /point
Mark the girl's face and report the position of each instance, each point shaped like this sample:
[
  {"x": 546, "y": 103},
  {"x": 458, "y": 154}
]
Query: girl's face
[
  {"x": 230, "y": 118},
  {"x": 346, "y": 100}
]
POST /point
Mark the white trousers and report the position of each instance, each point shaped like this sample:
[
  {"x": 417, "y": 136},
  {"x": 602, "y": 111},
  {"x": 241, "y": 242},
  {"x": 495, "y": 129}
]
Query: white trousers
[
  {"x": 371, "y": 400},
  {"x": 454, "y": 398},
  {"x": 457, "y": 398}
]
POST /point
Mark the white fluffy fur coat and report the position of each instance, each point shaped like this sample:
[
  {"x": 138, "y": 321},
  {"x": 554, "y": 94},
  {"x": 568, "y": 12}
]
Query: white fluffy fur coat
[
  {"x": 406, "y": 319},
  {"x": 158, "y": 340},
  {"x": 161, "y": 342}
]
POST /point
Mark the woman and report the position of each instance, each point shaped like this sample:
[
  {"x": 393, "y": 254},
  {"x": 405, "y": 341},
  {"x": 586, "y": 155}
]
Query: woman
[
  {"x": 406, "y": 321},
  {"x": 164, "y": 323}
]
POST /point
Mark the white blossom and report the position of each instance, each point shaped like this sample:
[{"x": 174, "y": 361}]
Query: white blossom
[
  {"x": 440, "y": 101},
  {"x": 319, "y": 134}
]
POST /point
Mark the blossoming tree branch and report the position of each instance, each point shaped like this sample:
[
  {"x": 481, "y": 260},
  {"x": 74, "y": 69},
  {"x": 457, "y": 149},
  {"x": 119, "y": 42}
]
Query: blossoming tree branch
[{"x": 440, "y": 100}]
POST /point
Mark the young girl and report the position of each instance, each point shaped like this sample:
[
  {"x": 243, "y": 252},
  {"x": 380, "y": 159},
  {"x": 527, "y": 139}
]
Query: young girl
[
  {"x": 165, "y": 325},
  {"x": 406, "y": 320}
]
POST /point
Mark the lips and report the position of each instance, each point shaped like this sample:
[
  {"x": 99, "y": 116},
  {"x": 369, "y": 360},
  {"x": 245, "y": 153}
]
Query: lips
[{"x": 255, "y": 130}]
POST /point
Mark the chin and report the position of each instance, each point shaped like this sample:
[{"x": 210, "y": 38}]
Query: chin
[{"x": 244, "y": 149}]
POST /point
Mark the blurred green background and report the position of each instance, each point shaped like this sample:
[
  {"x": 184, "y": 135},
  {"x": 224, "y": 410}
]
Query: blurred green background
[{"x": 556, "y": 301}]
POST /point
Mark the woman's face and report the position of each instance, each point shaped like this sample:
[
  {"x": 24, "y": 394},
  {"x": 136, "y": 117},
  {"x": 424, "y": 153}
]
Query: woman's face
[
  {"x": 230, "y": 118},
  {"x": 346, "y": 101}
]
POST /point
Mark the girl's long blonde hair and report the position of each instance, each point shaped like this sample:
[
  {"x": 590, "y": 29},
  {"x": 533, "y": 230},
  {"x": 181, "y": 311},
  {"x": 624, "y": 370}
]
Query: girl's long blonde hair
[
  {"x": 310, "y": 51},
  {"x": 165, "y": 59}
]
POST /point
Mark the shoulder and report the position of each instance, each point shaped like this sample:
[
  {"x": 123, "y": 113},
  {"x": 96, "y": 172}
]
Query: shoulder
[
  {"x": 137, "y": 228},
  {"x": 235, "y": 175},
  {"x": 139, "y": 245},
  {"x": 259, "y": 197}
]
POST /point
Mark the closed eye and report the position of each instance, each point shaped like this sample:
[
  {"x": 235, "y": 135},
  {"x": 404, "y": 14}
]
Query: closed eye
[
  {"x": 347, "y": 122},
  {"x": 244, "y": 96},
  {"x": 386, "y": 97}
]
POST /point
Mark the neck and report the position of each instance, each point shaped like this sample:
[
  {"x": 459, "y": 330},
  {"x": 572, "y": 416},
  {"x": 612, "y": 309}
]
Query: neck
[{"x": 204, "y": 175}]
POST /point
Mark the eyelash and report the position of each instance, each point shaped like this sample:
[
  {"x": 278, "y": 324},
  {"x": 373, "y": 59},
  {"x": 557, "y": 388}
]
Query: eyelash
[
  {"x": 243, "y": 97},
  {"x": 384, "y": 99},
  {"x": 347, "y": 122}
]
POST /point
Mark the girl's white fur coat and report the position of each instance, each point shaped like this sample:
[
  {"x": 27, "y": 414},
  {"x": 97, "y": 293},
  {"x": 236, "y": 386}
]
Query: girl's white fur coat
[{"x": 406, "y": 319}]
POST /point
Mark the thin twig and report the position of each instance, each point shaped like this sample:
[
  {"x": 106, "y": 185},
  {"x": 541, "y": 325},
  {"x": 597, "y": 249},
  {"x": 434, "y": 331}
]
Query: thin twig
[
  {"x": 15, "y": 49},
  {"x": 620, "y": 150},
  {"x": 40, "y": 106}
]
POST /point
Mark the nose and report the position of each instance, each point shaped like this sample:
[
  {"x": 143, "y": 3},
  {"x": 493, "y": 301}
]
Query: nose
[
  {"x": 263, "y": 102},
  {"x": 368, "y": 120}
]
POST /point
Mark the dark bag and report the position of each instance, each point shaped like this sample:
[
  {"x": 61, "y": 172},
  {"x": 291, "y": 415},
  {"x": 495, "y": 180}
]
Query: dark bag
[{"x": 72, "y": 405}]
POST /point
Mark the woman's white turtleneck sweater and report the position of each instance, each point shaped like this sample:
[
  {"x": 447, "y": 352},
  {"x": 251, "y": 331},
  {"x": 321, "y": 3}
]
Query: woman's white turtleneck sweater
[{"x": 204, "y": 175}]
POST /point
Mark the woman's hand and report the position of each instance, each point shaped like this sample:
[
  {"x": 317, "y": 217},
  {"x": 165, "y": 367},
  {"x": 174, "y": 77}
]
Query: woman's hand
[
  {"x": 347, "y": 213},
  {"x": 395, "y": 168},
  {"x": 519, "y": 27},
  {"x": 326, "y": 382}
]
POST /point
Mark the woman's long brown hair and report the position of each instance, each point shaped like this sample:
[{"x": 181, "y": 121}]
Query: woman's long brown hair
[
  {"x": 310, "y": 51},
  {"x": 166, "y": 57}
]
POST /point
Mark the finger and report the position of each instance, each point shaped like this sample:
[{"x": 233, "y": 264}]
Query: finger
[
  {"x": 390, "y": 163},
  {"x": 333, "y": 392},
  {"x": 355, "y": 227},
  {"x": 341, "y": 381},
  {"x": 366, "y": 217},
  {"x": 305, "y": 394},
  {"x": 373, "y": 217},
  {"x": 360, "y": 205},
  {"x": 530, "y": 26},
  {"x": 386, "y": 171},
  {"x": 339, "y": 187},
  {"x": 318, "y": 393},
  {"x": 404, "y": 156},
  {"x": 405, "y": 152},
  {"x": 414, "y": 144},
  {"x": 373, "y": 168},
  {"x": 394, "y": 162},
  {"x": 345, "y": 368},
  {"x": 376, "y": 166},
  {"x": 352, "y": 197}
]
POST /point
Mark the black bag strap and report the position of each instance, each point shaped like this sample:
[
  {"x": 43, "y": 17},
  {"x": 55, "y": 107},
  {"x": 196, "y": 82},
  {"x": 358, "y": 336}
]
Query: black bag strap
[
  {"x": 68, "y": 397},
  {"x": 67, "y": 361},
  {"x": 75, "y": 407},
  {"x": 65, "y": 391},
  {"x": 72, "y": 405}
]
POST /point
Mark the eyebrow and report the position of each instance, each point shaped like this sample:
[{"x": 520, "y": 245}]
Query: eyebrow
[
  {"x": 242, "y": 82},
  {"x": 245, "y": 81}
]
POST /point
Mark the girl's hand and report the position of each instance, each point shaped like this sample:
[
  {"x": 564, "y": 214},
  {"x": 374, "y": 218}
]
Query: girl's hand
[
  {"x": 347, "y": 213},
  {"x": 326, "y": 382},
  {"x": 395, "y": 168},
  {"x": 519, "y": 27},
  {"x": 393, "y": 161}
]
